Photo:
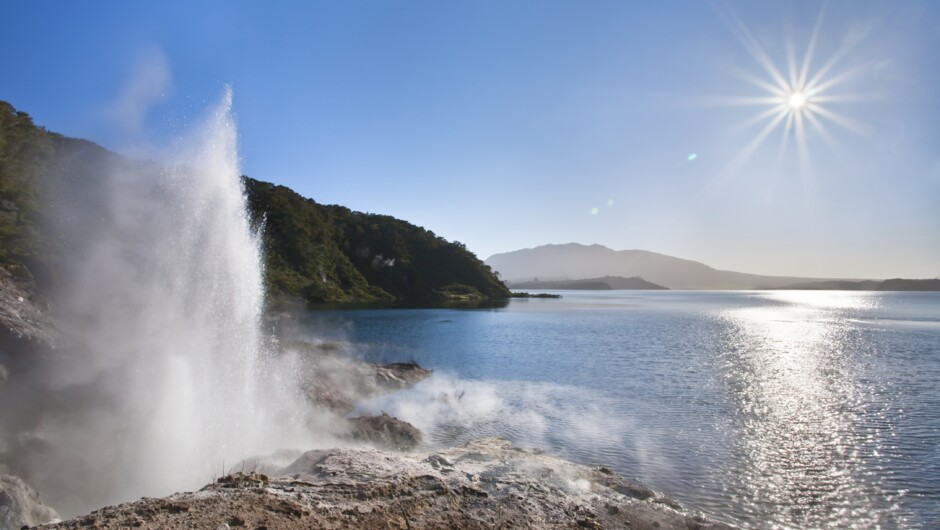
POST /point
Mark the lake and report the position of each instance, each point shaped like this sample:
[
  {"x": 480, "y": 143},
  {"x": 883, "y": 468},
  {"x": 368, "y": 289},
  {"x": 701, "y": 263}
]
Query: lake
[{"x": 763, "y": 409}]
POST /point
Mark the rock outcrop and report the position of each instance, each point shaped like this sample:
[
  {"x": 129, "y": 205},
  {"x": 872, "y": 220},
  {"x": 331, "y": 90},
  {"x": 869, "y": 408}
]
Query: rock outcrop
[
  {"x": 396, "y": 376},
  {"x": 335, "y": 382},
  {"x": 23, "y": 312},
  {"x": 21, "y": 506},
  {"x": 384, "y": 432},
  {"x": 484, "y": 484}
]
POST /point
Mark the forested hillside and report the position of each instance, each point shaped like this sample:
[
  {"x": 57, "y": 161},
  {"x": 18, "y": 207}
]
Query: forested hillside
[
  {"x": 332, "y": 254},
  {"x": 26, "y": 152},
  {"x": 314, "y": 252}
]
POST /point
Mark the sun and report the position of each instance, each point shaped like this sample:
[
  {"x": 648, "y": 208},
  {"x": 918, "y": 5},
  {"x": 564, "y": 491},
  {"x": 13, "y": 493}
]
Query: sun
[
  {"x": 797, "y": 101},
  {"x": 797, "y": 97}
]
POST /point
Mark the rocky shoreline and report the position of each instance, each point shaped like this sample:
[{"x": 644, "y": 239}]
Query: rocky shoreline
[
  {"x": 484, "y": 484},
  {"x": 488, "y": 483}
]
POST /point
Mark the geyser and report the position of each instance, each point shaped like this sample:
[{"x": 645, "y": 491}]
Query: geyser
[{"x": 164, "y": 377}]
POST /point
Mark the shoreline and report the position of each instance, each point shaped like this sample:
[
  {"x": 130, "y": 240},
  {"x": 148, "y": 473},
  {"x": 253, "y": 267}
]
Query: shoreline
[
  {"x": 387, "y": 480},
  {"x": 488, "y": 483}
]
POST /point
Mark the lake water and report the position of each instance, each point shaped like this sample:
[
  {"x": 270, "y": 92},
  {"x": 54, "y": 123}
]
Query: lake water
[{"x": 765, "y": 409}]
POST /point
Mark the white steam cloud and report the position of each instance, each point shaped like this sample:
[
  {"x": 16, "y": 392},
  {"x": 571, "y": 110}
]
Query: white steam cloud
[
  {"x": 149, "y": 83},
  {"x": 570, "y": 421},
  {"x": 164, "y": 375}
]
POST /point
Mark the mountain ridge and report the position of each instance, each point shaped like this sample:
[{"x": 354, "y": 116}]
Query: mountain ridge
[
  {"x": 578, "y": 261},
  {"x": 603, "y": 283}
]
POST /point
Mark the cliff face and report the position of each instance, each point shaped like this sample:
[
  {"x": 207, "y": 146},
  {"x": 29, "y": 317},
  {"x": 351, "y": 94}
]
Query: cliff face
[{"x": 484, "y": 484}]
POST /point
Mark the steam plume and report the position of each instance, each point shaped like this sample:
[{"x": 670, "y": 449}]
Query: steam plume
[{"x": 165, "y": 375}]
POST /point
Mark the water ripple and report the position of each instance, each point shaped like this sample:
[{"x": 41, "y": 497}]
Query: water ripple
[{"x": 769, "y": 410}]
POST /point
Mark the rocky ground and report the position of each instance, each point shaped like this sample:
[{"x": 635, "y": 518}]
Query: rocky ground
[
  {"x": 484, "y": 484},
  {"x": 385, "y": 432}
]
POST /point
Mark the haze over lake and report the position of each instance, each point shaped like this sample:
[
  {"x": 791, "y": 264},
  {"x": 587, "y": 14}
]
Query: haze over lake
[{"x": 799, "y": 409}]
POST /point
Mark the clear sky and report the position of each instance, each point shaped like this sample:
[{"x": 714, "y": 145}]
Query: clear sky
[{"x": 504, "y": 125}]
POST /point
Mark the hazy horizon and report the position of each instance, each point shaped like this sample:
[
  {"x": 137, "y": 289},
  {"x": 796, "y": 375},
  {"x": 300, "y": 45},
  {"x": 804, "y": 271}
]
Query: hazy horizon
[{"x": 791, "y": 138}]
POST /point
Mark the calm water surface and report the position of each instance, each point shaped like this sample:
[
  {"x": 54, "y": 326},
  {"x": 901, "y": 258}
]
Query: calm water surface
[{"x": 787, "y": 409}]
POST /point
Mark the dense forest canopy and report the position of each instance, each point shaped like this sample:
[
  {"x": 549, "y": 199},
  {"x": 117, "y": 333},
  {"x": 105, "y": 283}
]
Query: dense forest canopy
[
  {"x": 25, "y": 152},
  {"x": 332, "y": 254}
]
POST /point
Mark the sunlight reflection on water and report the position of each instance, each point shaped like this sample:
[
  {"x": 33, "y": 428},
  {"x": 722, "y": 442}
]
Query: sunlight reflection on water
[
  {"x": 796, "y": 392},
  {"x": 765, "y": 409}
]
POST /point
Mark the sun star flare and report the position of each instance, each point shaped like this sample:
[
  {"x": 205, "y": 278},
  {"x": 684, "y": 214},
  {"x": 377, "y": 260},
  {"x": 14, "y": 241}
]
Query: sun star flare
[
  {"x": 797, "y": 98},
  {"x": 796, "y": 101}
]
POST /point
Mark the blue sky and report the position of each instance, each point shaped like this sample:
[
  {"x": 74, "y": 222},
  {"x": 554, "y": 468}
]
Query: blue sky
[{"x": 506, "y": 125}]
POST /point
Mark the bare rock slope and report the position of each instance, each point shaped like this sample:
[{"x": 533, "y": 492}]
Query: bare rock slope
[
  {"x": 20, "y": 505},
  {"x": 23, "y": 313},
  {"x": 484, "y": 484}
]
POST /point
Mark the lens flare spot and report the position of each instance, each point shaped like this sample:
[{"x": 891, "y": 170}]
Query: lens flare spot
[
  {"x": 693, "y": 156},
  {"x": 610, "y": 202},
  {"x": 595, "y": 210}
]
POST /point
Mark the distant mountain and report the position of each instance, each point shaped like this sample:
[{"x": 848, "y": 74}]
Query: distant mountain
[
  {"x": 574, "y": 261},
  {"x": 605, "y": 283},
  {"x": 895, "y": 284}
]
